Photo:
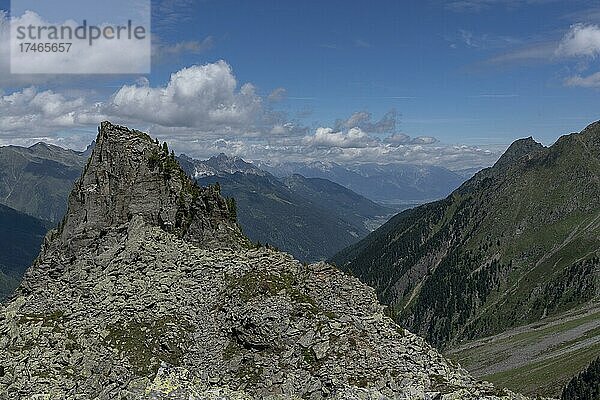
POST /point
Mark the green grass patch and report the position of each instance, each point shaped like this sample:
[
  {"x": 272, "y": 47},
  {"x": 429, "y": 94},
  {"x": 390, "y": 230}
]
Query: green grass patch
[
  {"x": 547, "y": 377},
  {"x": 256, "y": 284},
  {"x": 148, "y": 343}
]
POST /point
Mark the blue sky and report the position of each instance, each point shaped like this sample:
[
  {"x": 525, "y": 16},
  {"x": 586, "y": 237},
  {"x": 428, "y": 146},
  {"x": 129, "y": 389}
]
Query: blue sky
[
  {"x": 345, "y": 56},
  {"x": 472, "y": 73}
]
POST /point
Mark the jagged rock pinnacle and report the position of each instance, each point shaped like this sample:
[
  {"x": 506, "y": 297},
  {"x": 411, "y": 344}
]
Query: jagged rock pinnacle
[{"x": 130, "y": 175}]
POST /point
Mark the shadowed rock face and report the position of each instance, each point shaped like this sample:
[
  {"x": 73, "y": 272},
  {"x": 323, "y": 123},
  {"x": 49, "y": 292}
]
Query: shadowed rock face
[
  {"x": 147, "y": 291},
  {"x": 21, "y": 236}
]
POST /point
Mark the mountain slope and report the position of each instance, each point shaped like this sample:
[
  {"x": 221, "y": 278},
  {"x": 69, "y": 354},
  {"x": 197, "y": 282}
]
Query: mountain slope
[
  {"x": 339, "y": 200},
  {"x": 516, "y": 243},
  {"x": 312, "y": 219},
  {"x": 271, "y": 212},
  {"x": 585, "y": 385},
  {"x": 146, "y": 290},
  {"x": 537, "y": 358},
  {"x": 37, "y": 180},
  {"x": 21, "y": 236}
]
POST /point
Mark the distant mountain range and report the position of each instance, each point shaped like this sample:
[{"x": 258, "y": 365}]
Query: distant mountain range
[
  {"x": 34, "y": 184},
  {"x": 389, "y": 184},
  {"x": 37, "y": 180},
  {"x": 21, "y": 236},
  {"x": 218, "y": 165},
  {"x": 311, "y": 219},
  {"x": 517, "y": 244}
]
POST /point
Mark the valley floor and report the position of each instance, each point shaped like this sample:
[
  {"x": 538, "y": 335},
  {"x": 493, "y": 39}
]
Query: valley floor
[{"x": 539, "y": 358}]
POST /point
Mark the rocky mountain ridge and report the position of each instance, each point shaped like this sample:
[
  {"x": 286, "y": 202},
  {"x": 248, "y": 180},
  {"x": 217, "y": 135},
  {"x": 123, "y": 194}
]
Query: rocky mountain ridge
[
  {"x": 148, "y": 290},
  {"x": 145, "y": 181}
]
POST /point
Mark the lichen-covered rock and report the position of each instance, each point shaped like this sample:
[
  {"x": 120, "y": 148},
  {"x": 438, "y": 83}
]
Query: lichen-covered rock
[{"x": 128, "y": 301}]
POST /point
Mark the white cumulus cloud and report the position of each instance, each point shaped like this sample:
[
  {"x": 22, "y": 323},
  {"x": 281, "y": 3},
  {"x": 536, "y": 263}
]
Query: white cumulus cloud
[
  {"x": 203, "y": 110},
  {"x": 590, "y": 81},
  {"x": 201, "y": 96},
  {"x": 400, "y": 139},
  {"x": 581, "y": 40},
  {"x": 277, "y": 95},
  {"x": 353, "y": 138},
  {"x": 31, "y": 112},
  {"x": 364, "y": 121}
]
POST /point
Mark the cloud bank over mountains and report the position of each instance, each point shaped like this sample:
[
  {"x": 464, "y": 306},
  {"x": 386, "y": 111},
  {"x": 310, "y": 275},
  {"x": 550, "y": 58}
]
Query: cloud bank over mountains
[{"x": 203, "y": 110}]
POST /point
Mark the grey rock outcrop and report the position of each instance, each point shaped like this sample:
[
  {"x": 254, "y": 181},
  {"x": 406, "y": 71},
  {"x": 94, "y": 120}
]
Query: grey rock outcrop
[
  {"x": 148, "y": 291},
  {"x": 130, "y": 175}
]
